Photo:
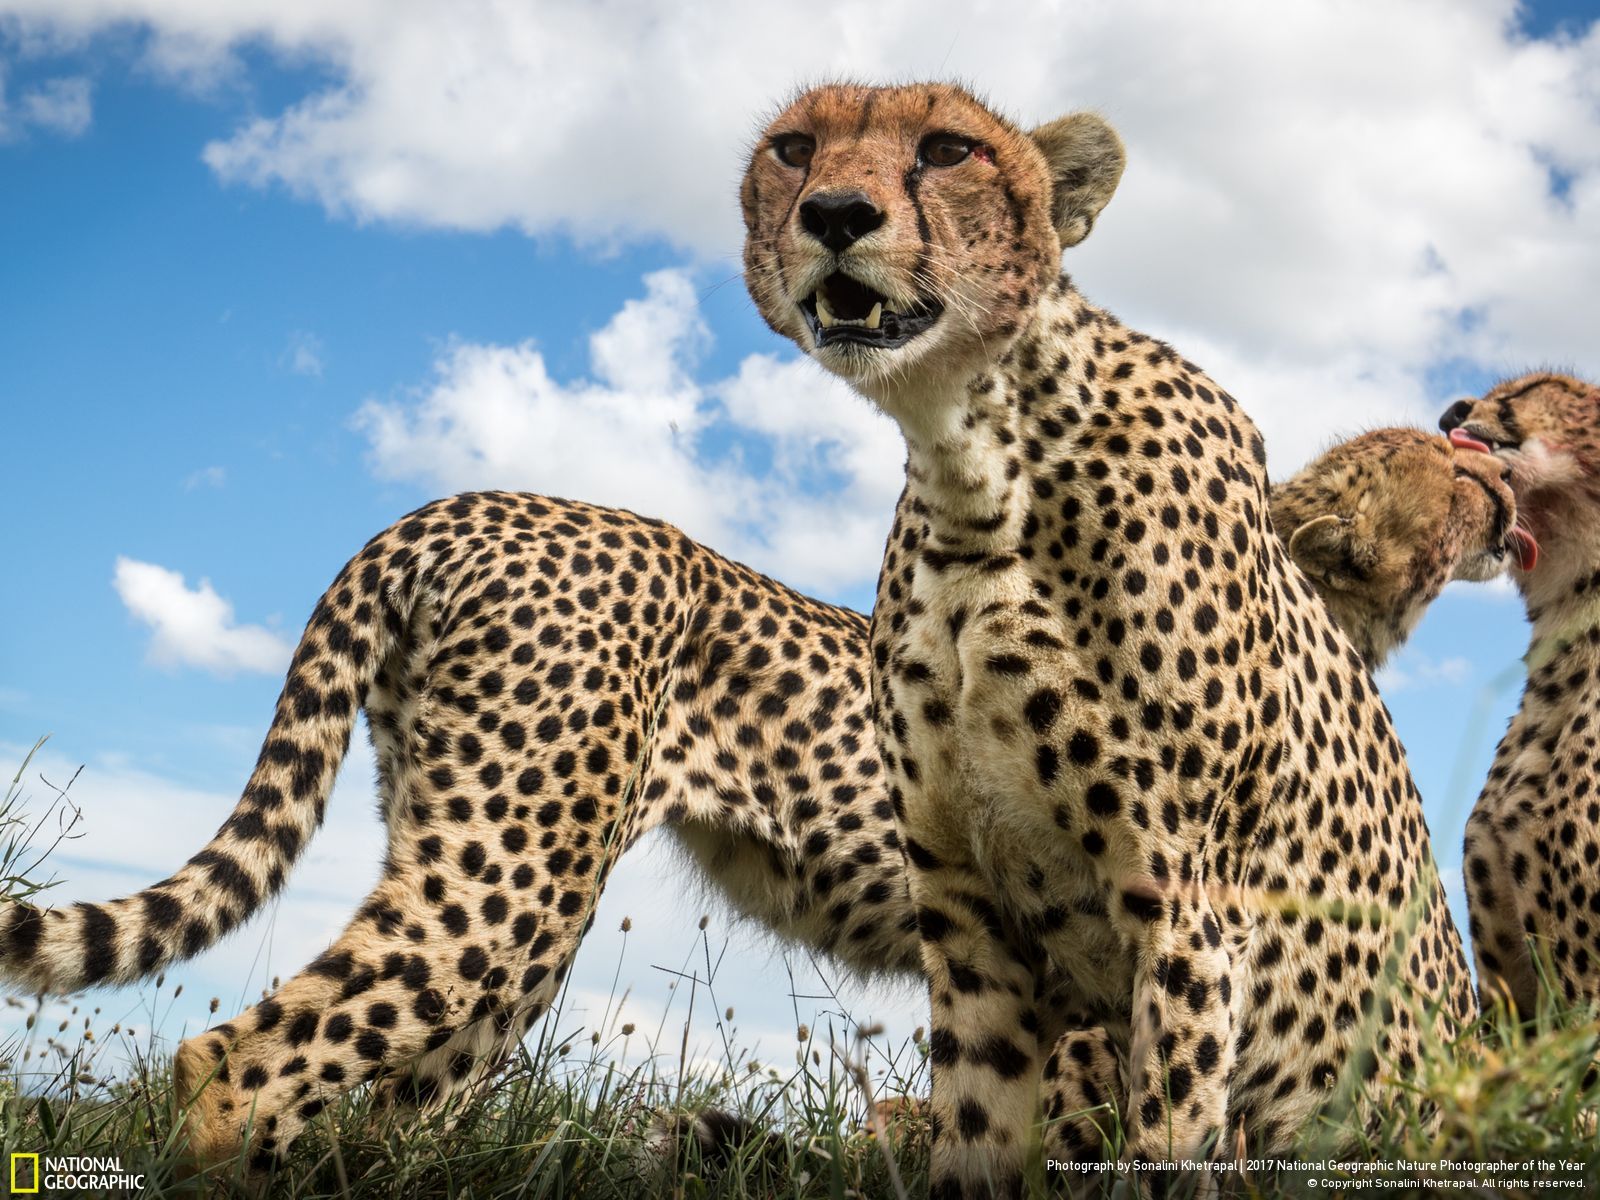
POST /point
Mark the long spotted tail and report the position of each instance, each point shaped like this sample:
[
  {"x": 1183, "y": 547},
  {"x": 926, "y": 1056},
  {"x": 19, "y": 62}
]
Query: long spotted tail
[{"x": 356, "y": 624}]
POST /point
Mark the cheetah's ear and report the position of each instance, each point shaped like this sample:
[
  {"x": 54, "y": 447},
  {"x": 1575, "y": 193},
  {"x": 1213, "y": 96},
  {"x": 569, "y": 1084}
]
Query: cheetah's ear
[
  {"x": 1086, "y": 158},
  {"x": 1332, "y": 553}
]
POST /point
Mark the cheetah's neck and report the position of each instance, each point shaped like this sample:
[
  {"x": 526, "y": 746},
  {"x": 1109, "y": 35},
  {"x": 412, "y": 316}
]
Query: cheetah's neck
[
  {"x": 967, "y": 476},
  {"x": 966, "y": 448}
]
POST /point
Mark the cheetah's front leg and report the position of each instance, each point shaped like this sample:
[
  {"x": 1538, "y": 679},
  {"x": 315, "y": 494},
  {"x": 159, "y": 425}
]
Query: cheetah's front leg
[
  {"x": 1183, "y": 1020},
  {"x": 985, "y": 1042}
]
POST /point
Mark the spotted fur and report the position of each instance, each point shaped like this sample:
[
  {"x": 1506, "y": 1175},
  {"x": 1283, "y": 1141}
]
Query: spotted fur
[
  {"x": 1144, "y": 782},
  {"x": 1412, "y": 512},
  {"x": 1533, "y": 840}
]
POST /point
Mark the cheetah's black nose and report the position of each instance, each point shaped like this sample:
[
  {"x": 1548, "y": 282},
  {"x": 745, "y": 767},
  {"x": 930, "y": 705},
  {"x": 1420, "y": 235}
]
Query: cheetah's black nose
[
  {"x": 837, "y": 219},
  {"x": 1454, "y": 415}
]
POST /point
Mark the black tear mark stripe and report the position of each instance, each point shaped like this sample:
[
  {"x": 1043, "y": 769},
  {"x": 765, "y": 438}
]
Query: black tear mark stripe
[
  {"x": 777, "y": 231},
  {"x": 794, "y": 200},
  {"x": 913, "y": 181},
  {"x": 1019, "y": 214},
  {"x": 1503, "y": 516},
  {"x": 1508, "y": 419}
]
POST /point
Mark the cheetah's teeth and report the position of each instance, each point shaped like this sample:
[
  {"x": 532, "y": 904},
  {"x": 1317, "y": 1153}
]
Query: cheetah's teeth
[{"x": 827, "y": 318}]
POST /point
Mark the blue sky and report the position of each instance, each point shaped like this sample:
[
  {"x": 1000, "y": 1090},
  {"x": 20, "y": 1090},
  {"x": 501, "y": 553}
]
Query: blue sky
[{"x": 253, "y": 305}]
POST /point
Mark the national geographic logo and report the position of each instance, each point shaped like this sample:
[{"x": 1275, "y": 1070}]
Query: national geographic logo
[{"x": 33, "y": 1174}]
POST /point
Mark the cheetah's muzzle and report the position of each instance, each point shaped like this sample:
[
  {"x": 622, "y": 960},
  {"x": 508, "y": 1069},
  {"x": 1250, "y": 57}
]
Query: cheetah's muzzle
[
  {"x": 843, "y": 309},
  {"x": 1519, "y": 543}
]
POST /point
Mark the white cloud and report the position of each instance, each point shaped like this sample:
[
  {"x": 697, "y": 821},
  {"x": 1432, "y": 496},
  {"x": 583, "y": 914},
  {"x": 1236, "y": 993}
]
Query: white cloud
[
  {"x": 1412, "y": 669},
  {"x": 779, "y": 464},
  {"x": 303, "y": 355},
  {"x": 210, "y": 477},
  {"x": 60, "y": 106},
  {"x": 195, "y": 626},
  {"x": 1500, "y": 588}
]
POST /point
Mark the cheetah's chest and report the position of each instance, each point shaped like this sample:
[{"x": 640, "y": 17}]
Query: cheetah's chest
[
  {"x": 975, "y": 677},
  {"x": 970, "y": 659}
]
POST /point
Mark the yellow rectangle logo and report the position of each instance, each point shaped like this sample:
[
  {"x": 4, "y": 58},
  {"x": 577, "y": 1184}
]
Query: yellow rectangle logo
[{"x": 16, "y": 1188}]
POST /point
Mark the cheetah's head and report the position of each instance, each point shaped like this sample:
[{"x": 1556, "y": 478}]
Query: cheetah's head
[
  {"x": 894, "y": 231},
  {"x": 1545, "y": 427},
  {"x": 1382, "y": 522}
]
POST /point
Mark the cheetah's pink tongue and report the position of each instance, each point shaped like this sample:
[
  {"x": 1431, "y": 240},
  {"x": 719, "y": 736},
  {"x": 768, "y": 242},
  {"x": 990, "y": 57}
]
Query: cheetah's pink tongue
[
  {"x": 1462, "y": 440},
  {"x": 1524, "y": 547}
]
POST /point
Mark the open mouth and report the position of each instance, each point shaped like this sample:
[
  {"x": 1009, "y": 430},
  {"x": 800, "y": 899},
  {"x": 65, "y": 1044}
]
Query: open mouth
[
  {"x": 846, "y": 310},
  {"x": 1463, "y": 438}
]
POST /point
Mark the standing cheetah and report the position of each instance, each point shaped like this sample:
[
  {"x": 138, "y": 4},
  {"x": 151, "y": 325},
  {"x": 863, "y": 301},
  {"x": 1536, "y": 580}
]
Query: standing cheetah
[
  {"x": 1533, "y": 840},
  {"x": 1143, "y": 781},
  {"x": 545, "y": 681}
]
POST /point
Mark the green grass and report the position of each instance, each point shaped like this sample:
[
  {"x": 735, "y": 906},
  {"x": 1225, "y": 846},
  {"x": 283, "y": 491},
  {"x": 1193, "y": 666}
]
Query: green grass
[
  {"x": 565, "y": 1120},
  {"x": 567, "y": 1116}
]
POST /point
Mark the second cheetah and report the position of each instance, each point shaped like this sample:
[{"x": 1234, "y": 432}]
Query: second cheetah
[
  {"x": 1533, "y": 840},
  {"x": 1144, "y": 782}
]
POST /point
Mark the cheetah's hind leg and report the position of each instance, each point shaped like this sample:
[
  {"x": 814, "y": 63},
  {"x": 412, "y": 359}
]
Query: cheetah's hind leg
[{"x": 441, "y": 970}]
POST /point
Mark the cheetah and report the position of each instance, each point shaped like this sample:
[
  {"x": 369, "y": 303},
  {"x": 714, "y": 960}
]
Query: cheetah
[
  {"x": 544, "y": 682},
  {"x": 1380, "y": 523},
  {"x": 1533, "y": 840},
  {"x": 1144, "y": 783}
]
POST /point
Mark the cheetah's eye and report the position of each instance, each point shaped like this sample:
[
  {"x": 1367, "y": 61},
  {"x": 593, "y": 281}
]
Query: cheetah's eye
[
  {"x": 794, "y": 149},
  {"x": 944, "y": 149}
]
